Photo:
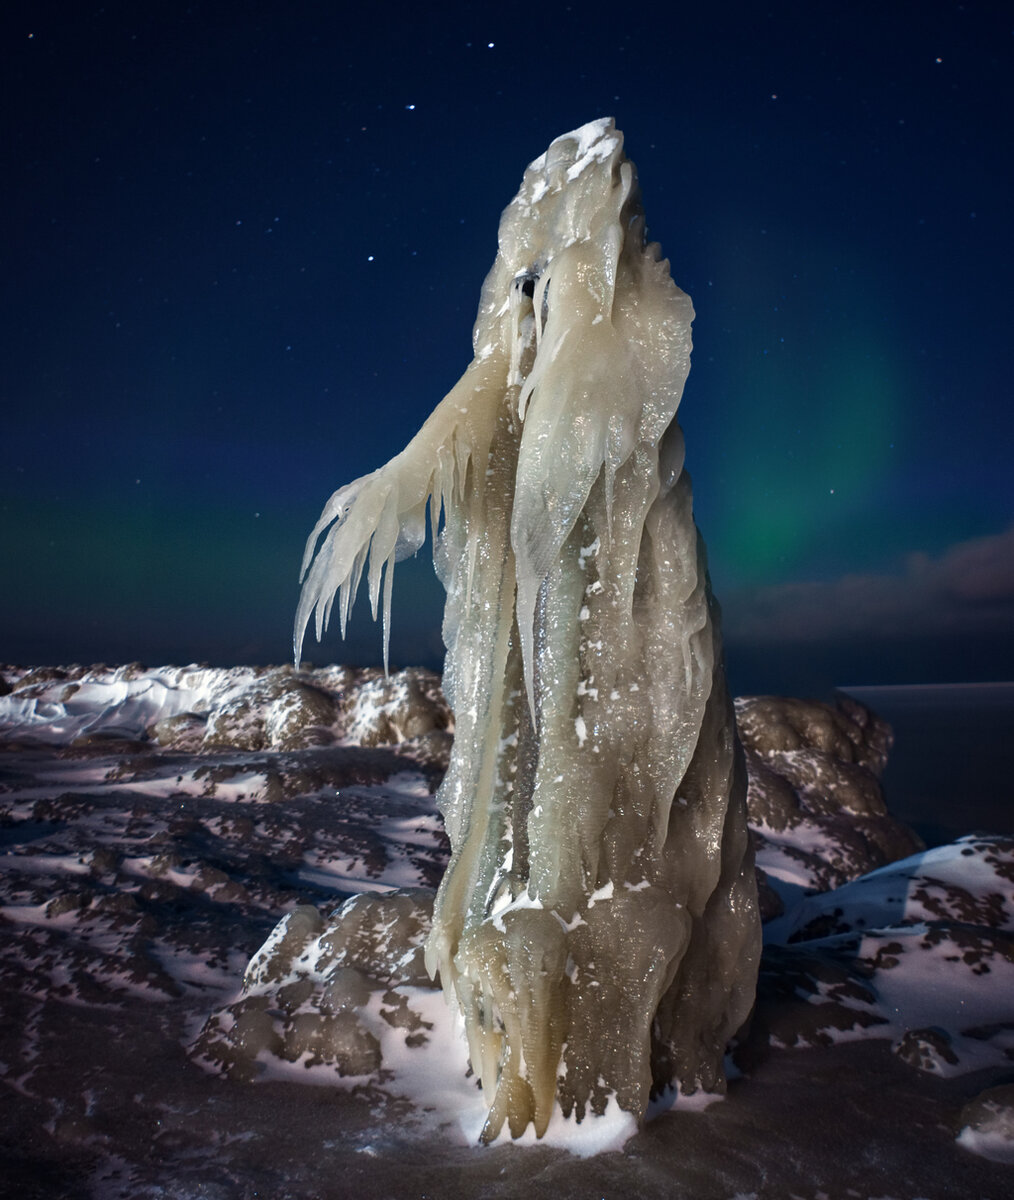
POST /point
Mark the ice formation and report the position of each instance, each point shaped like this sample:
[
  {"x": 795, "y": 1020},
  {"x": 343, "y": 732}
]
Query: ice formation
[{"x": 597, "y": 924}]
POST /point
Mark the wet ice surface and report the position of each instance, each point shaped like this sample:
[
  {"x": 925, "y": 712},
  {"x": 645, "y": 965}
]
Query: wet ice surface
[{"x": 137, "y": 881}]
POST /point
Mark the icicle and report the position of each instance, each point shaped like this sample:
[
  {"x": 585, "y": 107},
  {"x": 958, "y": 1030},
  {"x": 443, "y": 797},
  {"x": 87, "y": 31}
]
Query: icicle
[{"x": 388, "y": 582}]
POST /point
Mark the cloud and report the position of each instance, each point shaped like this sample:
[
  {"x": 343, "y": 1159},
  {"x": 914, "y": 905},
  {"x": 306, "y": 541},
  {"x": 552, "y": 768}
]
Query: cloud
[{"x": 969, "y": 589}]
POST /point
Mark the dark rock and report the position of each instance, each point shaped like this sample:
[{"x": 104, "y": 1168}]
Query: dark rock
[{"x": 926, "y": 1049}]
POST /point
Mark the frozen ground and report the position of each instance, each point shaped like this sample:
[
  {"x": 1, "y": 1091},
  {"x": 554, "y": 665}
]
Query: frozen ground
[{"x": 156, "y": 825}]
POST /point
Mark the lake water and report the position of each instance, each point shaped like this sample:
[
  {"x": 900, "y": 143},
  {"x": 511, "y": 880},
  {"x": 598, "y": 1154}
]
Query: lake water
[{"x": 952, "y": 767}]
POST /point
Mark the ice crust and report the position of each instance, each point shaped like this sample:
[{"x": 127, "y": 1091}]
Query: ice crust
[{"x": 597, "y": 925}]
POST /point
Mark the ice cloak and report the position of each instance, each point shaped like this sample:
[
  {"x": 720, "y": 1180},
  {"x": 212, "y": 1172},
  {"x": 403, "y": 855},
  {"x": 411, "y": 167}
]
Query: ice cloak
[{"x": 597, "y": 924}]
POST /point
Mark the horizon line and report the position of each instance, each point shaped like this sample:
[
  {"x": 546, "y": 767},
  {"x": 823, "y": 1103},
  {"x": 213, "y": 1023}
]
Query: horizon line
[{"x": 898, "y": 687}]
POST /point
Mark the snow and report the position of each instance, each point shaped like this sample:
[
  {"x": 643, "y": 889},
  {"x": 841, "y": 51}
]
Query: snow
[
  {"x": 593, "y": 145},
  {"x": 136, "y": 883},
  {"x": 598, "y": 1135},
  {"x": 997, "y": 1147},
  {"x": 118, "y": 701}
]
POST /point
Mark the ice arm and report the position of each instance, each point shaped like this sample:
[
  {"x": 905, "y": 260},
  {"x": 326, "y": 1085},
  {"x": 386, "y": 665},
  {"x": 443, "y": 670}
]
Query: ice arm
[{"x": 381, "y": 518}]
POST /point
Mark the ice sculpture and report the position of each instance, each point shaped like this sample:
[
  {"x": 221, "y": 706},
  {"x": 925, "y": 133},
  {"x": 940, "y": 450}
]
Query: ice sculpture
[{"x": 597, "y": 924}]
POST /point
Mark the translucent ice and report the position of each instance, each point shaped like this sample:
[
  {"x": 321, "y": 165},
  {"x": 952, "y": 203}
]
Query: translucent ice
[{"x": 597, "y": 925}]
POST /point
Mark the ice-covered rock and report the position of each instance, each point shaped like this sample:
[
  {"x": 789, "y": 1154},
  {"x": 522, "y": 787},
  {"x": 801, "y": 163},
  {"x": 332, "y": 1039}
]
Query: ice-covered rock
[
  {"x": 329, "y": 993},
  {"x": 219, "y": 709},
  {"x": 816, "y": 807},
  {"x": 279, "y": 711},
  {"x": 846, "y": 732},
  {"x": 182, "y": 731},
  {"x": 58, "y": 705},
  {"x": 386, "y": 710}
]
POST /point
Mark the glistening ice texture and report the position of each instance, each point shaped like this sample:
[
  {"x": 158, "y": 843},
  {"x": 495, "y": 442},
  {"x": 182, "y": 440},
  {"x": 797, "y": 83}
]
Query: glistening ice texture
[{"x": 597, "y": 923}]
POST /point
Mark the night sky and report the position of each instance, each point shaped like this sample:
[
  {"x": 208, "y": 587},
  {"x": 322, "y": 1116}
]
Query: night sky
[{"x": 242, "y": 254}]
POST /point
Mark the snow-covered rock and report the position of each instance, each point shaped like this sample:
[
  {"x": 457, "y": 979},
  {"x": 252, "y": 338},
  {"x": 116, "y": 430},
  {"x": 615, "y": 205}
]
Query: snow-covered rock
[
  {"x": 330, "y": 993},
  {"x": 815, "y": 804},
  {"x": 138, "y": 881},
  {"x": 920, "y": 951},
  {"x": 216, "y": 709}
]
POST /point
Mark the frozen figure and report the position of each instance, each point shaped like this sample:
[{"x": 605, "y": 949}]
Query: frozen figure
[{"x": 597, "y": 924}]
